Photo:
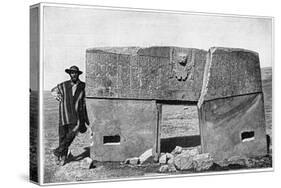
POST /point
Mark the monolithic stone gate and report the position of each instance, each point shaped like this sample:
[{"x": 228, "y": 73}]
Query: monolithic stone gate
[{"x": 125, "y": 88}]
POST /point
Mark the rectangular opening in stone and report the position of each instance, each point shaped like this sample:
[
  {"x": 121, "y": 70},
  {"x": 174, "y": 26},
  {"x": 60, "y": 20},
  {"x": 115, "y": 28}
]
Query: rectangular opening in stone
[
  {"x": 247, "y": 136},
  {"x": 179, "y": 126},
  {"x": 111, "y": 140}
]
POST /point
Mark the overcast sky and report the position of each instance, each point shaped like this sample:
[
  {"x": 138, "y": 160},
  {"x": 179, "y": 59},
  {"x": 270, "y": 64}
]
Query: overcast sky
[{"x": 68, "y": 32}]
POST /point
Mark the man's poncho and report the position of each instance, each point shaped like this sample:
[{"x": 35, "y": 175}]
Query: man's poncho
[{"x": 72, "y": 108}]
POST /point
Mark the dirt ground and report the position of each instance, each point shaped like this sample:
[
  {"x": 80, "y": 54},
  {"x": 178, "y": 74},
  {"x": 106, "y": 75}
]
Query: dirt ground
[{"x": 178, "y": 121}]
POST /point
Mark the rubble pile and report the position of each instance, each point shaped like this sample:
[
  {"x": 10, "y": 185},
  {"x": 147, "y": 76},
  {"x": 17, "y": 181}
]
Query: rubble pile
[
  {"x": 189, "y": 159},
  {"x": 185, "y": 159}
]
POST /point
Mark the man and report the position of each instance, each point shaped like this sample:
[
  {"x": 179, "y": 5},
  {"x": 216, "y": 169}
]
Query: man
[{"x": 72, "y": 112}]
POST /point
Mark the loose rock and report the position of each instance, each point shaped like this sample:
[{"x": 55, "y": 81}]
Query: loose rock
[
  {"x": 146, "y": 155},
  {"x": 177, "y": 150},
  {"x": 86, "y": 162},
  {"x": 171, "y": 168},
  {"x": 193, "y": 151},
  {"x": 171, "y": 161},
  {"x": 202, "y": 162},
  {"x": 133, "y": 161},
  {"x": 183, "y": 161},
  {"x": 163, "y": 159},
  {"x": 163, "y": 168},
  {"x": 238, "y": 160},
  {"x": 169, "y": 156}
]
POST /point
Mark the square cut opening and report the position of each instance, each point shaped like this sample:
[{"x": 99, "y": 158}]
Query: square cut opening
[
  {"x": 247, "y": 136},
  {"x": 111, "y": 140}
]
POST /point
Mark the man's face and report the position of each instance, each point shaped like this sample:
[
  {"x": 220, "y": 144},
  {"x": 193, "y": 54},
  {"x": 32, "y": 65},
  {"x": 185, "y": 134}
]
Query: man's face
[{"x": 74, "y": 76}]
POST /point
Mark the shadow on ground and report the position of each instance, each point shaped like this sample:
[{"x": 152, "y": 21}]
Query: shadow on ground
[{"x": 79, "y": 157}]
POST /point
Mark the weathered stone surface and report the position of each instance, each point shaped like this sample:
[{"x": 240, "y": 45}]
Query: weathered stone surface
[
  {"x": 229, "y": 98},
  {"x": 145, "y": 156},
  {"x": 167, "y": 73},
  {"x": 156, "y": 51},
  {"x": 169, "y": 156},
  {"x": 183, "y": 161},
  {"x": 235, "y": 160},
  {"x": 166, "y": 158},
  {"x": 193, "y": 151},
  {"x": 171, "y": 168},
  {"x": 167, "y": 168},
  {"x": 230, "y": 72},
  {"x": 202, "y": 162},
  {"x": 156, "y": 157},
  {"x": 132, "y": 121},
  {"x": 86, "y": 163},
  {"x": 171, "y": 160},
  {"x": 243, "y": 161},
  {"x": 223, "y": 121},
  {"x": 163, "y": 159},
  {"x": 132, "y": 161},
  {"x": 163, "y": 168},
  {"x": 231, "y": 104},
  {"x": 115, "y": 50},
  {"x": 177, "y": 150}
]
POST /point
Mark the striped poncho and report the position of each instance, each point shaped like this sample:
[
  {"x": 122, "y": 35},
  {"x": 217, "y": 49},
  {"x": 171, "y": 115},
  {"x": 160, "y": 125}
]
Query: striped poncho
[{"x": 72, "y": 107}]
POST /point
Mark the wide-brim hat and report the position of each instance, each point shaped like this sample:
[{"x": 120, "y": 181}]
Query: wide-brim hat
[{"x": 73, "y": 69}]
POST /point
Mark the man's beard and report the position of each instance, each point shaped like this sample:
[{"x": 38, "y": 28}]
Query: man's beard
[{"x": 74, "y": 80}]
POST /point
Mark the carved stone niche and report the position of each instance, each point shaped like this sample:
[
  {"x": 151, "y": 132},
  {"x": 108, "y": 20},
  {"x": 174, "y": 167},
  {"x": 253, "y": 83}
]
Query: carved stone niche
[{"x": 183, "y": 65}]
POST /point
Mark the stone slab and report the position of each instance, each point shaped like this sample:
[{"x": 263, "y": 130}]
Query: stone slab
[
  {"x": 164, "y": 73},
  {"x": 133, "y": 121},
  {"x": 230, "y": 72},
  {"x": 223, "y": 121}
]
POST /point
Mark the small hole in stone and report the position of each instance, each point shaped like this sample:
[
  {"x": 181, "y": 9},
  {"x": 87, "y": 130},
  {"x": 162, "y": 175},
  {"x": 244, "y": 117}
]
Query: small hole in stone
[
  {"x": 115, "y": 139},
  {"x": 247, "y": 136}
]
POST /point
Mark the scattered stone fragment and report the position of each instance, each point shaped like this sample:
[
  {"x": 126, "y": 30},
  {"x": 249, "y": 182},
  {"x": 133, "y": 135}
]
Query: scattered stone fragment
[
  {"x": 169, "y": 156},
  {"x": 86, "y": 162},
  {"x": 132, "y": 161},
  {"x": 171, "y": 161},
  {"x": 146, "y": 155},
  {"x": 163, "y": 168},
  {"x": 202, "y": 156},
  {"x": 171, "y": 168},
  {"x": 163, "y": 159},
  {"x": 202, "y": 162},
  {"x": 238, "y": 160},
  {"x": 193, "y": 151},
  {"x": 183, "y": 161},
  {"x": 156, "y": 158},
  {"x": 177, "y": 150}
]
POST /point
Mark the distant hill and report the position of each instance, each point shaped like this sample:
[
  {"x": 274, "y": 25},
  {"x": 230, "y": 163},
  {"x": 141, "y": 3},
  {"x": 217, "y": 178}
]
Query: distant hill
[{"x": 266, "y": 74}]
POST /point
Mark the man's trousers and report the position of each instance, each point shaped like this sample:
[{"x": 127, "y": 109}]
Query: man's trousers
[{"x": 66, "y": 137}]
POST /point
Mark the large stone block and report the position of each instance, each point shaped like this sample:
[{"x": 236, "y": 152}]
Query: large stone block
[
  {"x": 165, "y": 73},
  {"x": 230, "y": 72},
  {"x": 121, "y": 128},
  {"x": 233, "y": 126}
]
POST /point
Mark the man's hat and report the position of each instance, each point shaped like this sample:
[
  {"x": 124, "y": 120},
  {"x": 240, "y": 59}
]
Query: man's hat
[{"x": 73, "y": 69}]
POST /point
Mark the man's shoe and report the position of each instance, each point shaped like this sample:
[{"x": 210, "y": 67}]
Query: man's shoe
[
  {"x": 57, "y": 160},
  {"x": 57, "y": 157},
  {"x": 69, "y": 156},
  {"x": 56, "y": 153},
  {"x": 62, "y": 161}
]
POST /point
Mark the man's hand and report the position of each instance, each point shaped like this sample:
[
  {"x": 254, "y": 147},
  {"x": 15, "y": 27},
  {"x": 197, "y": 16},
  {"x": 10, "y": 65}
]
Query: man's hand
[
  {"x": 75, "y": 129},
  {"x": 56, "y": 94},
  {"x": 59, "y": 97}
]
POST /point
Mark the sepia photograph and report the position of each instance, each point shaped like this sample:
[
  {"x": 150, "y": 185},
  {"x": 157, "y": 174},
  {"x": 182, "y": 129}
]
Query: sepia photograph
[{"x": 128, "y": 94}]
